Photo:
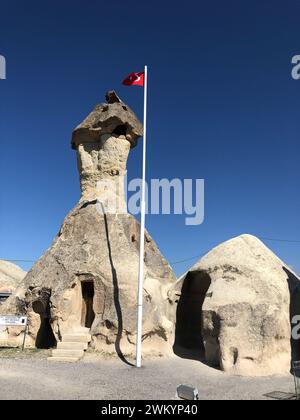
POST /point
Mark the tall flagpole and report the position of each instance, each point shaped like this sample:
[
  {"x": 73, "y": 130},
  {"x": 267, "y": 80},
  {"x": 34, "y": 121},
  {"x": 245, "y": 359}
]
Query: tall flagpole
[{"x": 142, "y": 237}]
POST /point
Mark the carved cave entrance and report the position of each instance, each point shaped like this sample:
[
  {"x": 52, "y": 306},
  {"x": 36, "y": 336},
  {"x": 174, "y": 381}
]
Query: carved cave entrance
[
  {"x": 45, "y": 338},
  {"x": 188, "y": 332},
  {"x": 87, "y": 312}
]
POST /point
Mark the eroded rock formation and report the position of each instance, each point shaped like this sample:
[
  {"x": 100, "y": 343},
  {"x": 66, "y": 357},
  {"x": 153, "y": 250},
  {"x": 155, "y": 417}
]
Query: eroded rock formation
[
  {"x": 236, "y": 305},
  {"x": 10, "y": 276},
  {"x": 103, "y": 141},
  {"x": 88, "y": 277}
]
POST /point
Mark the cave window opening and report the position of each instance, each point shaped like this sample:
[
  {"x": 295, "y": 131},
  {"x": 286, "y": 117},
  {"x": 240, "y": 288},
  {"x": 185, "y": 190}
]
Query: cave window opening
[{"x": 120, "y": 130}]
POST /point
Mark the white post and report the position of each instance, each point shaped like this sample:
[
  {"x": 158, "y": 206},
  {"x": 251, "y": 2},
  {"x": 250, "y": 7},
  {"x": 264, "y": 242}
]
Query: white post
[{"x": 142, "y": 238}]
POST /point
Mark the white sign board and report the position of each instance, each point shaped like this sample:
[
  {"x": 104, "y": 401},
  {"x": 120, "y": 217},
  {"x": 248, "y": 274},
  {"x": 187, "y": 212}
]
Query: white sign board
[{"x": 13, "y": 320}]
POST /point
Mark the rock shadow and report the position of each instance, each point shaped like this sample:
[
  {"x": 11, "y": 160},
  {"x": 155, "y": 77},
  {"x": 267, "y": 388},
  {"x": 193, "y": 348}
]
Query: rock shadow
[
  {"x": 45, "y": 338},
  {"x": 116, "y": 295},
  {"x": 189, "y": 324},
  {"x": 294, "y": 288}
]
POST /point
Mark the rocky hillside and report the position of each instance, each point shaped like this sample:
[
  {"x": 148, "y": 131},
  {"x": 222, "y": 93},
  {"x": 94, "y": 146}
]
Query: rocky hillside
[{"x": 10, "y": 276}]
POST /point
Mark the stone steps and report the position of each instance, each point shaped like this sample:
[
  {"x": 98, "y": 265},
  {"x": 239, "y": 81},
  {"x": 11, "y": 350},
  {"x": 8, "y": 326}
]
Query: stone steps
[
  {"x": 72, "y": 346},
  {"x": 77, "y": 338},
  {"x": 67, "y": 353},
  {"x": 82, "y": 330}
]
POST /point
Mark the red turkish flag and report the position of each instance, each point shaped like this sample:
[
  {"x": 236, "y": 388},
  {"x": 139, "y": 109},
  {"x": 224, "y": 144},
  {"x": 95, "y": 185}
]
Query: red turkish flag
[{"x": 134, "y": 79}]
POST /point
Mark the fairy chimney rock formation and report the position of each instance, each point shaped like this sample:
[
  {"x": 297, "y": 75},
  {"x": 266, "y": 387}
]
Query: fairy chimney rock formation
[
  {"x": 103, "y": 141},
  {"x": 88, "y": 277}
]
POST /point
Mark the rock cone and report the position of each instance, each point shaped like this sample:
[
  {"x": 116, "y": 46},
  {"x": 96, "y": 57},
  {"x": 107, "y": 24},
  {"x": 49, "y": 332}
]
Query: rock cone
[
  {"x": 88, "y": 277},
  {"x": 236, "y": 305}
]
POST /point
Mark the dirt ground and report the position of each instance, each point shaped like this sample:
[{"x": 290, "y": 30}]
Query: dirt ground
[{"x": 30, "y": 376}]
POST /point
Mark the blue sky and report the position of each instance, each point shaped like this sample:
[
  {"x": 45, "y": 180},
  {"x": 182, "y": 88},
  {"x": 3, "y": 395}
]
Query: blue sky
[{"x": 222, "y": 106}]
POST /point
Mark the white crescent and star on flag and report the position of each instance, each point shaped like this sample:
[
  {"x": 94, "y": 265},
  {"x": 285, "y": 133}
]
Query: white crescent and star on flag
[{"x": 135, "y": 78}]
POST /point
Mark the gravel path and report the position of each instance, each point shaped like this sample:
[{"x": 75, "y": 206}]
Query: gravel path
[{"x": 94, "y": 378}]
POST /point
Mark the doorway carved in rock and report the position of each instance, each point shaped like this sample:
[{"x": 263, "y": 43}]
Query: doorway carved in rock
[
  {"x": 188, "y": 334},
  {"x": 87, "y": 311}
]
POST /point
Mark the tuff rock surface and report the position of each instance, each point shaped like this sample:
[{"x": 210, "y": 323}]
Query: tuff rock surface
[
  {"x": 113, "y": 117},
  {"x": 103, "y": 141},
  {"x": 10, "y": 276},
  {"x": 236, "y": 305}
]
